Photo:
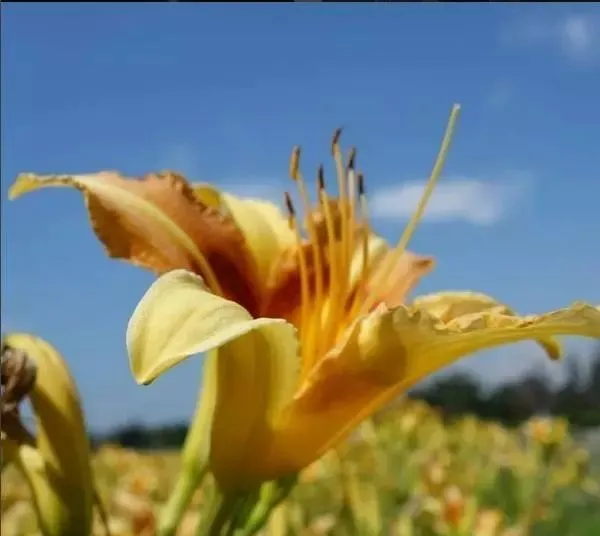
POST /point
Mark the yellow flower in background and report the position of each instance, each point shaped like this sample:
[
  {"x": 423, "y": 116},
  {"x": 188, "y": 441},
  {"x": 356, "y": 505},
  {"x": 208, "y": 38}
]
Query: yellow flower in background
[
  {"x": 549, "y": 434},
  {"x": 548, "y": 431},
  {"x": 306, "y": 323},
  {"x": 56, "y": 462}
]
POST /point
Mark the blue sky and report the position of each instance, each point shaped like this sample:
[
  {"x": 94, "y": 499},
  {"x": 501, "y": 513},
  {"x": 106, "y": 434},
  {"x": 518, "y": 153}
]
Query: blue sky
[{"x": 223, "y": 92}]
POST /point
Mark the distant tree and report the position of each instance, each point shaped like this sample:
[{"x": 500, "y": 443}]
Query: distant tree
[
  {"x": 577, "y": 399},
  {"x": 456, "y": 394},
  {"x": 133, "y": 436}
]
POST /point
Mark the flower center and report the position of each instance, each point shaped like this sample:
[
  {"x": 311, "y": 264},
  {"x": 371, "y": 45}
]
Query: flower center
[
  {"x": 337, "y": 231},
  {"x": 327, "y": 297}
]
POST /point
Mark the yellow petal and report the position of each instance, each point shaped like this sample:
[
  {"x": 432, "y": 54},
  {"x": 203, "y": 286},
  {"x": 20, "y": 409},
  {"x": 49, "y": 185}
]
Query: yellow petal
[
  {"x": 425, "y": 344},
  {"x": 387, "y": 353},
  {"x": 158, "y": 223},
  {"x": 265, "y": 228},
  {"x": 208, "y": 194},
  {"x": 256, "y": 369},
  {"x": 450, "y": 305},
  {"x": 58, "y": 470},
  {"x": 335, "y": 397},
  {"x": 263, "y": 225}
]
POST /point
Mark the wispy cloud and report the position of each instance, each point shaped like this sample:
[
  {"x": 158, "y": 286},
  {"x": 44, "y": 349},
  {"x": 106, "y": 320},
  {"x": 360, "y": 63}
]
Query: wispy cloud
[
  {"x": 471, "y": 200},
  {"x": 575, "y": 35},
  {"x": 581, "y": 36}
]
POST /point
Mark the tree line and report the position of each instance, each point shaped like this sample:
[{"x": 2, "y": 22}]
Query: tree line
[{"x": 577, "y": 399}]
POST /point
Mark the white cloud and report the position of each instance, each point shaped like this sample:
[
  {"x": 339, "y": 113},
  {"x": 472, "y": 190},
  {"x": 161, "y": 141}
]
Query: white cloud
[
  {"x": 580, "y": 36},
  {"x": 575, "y": 35},
  {"x": 470, "y": 200}
]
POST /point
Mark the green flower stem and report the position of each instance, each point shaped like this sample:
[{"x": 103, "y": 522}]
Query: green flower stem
[
  {"x": 272, "y": 494},
  {"x": 243, "y": 511},
  {"x": 218, "y": 515},
  {"x": 179, "y": 500},
  {"x": 194, "y": 456}
]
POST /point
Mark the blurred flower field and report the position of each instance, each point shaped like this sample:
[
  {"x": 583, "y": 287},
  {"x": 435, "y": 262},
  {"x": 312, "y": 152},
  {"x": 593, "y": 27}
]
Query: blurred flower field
[{"x": 407, "y": 474}]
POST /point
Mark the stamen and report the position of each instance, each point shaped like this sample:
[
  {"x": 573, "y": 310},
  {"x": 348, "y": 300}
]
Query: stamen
[
  {"x": 295, "y": 163},
  {"x": 343, "y": 189},
  {"x": 291, "y": 212},
  {"x": 364, "y": 216},
  {"x": 361, "y": 185},
  {"x": 352, "y": 158},
  {"x": 391, "y": 260},
  {"x": 301, "y": 260},
  {"x": 335, "y": 140},
  {"x": 320, "y": 179},
  {"x": 344, "y": 253},
  {"x": 351, "y": 172},
  {"x": 312, "y": 231},
  {"x": 336, "y": 275},
  {"x": 311, "y": 323},
  {"x": 363, "y": 286}
]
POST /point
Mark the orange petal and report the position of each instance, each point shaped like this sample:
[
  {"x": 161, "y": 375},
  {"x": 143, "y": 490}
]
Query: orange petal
[
  {"x": 283, "y": 294},
  {"x": 263, "y": 225},
  {"x": 405, "y": 276},
  {"x": 158, "y": 223}
]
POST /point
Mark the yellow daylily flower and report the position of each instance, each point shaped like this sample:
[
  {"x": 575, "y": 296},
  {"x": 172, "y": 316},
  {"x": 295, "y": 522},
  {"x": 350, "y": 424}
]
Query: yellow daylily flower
[
  {"x": 56, "y": 463},
  {"x": 307, "y": 322},
  {"x": 293, "y": 385}
]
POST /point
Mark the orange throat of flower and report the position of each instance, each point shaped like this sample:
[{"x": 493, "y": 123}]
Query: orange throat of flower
[{"x": 338, "y": 231}]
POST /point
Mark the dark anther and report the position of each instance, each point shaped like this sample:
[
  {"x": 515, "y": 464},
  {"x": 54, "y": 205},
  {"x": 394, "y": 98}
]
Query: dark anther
[
  {"x": 289, "y": 205},
  {"x": 335, "y": 139},
  {"x": 321, "y": 178},
  {"x": 295, "y": 162},
  {"x": 361, "y": 184},
  {"x": 352, "y": 159}
]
